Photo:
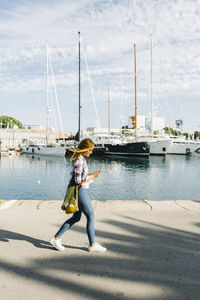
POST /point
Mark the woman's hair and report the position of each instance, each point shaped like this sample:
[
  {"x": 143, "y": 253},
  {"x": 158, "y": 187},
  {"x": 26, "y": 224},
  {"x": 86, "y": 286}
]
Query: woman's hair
[{"x": 83, "y": 146}]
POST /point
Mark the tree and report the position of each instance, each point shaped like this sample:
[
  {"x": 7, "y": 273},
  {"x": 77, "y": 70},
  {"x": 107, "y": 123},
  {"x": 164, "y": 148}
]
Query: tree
[
  {"x": 174, "y": 132},
  {"x": 197, "y": 135},
  {"x": 9, "y": 122},
  {"x": 186, "y": 134},
  {"x": 156, "y": 132},
  {"x": 168, "y": 130}
]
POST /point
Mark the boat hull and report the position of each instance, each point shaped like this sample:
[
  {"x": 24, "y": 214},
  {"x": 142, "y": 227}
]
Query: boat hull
[
  {"x": 42, "y": 150},
  {"x": 129, "y": 149},
  {"x": 183, "y": 147},
  {"x": 159, "y": 147}
]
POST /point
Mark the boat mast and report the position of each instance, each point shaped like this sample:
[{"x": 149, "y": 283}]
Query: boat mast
[
  {"x": 108, "y": 108},
  {"x": 135, "y": 119},
  {"x": 151, "y": 36},
  {"x": 120, "y": 100},
  {"x": 79, "y": 87},
  {"x": 47, "y": 93}
]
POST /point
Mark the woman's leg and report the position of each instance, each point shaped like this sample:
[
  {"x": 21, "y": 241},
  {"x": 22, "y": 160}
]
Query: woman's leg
[
  {"x": 74, "y": 219},
  {"x": 87, "y": 208}
]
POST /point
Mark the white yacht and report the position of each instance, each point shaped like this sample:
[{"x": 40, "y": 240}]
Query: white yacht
[{"x": 183, "y": 146}]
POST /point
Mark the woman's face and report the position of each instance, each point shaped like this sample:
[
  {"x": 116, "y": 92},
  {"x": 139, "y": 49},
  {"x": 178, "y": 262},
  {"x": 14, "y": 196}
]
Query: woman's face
[{"x": 88, "y": 153}]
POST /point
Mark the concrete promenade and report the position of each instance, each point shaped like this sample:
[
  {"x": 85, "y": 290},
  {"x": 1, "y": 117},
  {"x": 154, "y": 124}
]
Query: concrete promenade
[{"x": 153, "y": 252}]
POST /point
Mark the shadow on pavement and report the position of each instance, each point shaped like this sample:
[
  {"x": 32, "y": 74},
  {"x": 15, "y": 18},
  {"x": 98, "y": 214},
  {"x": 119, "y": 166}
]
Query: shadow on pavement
[
  {"x": 147, "y": 254},
  {"x": 6, "y": 235}
]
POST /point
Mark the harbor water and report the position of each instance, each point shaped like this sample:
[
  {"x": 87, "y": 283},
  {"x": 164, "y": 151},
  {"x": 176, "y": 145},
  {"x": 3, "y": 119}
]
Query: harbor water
[{"x": 172, "y": 177}]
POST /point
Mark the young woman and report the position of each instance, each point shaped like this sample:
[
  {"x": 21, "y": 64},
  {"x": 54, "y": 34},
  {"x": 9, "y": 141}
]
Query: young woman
[{"x": 83, "y": 179}]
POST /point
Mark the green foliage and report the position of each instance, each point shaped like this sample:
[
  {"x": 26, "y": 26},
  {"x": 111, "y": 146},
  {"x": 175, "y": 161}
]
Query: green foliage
[
  {"x": 171, "y": 131},
  {"x": 156, "y": 132},
  {"x": 9, "y": 122},
  {"x": 125, "y": 131},
  {"x": 197, "y": 134},
  {"x": 186, "y": 134}
]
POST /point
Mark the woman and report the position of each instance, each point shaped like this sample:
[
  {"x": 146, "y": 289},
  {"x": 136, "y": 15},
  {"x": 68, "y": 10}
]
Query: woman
[{"x": 83, "y": 179}]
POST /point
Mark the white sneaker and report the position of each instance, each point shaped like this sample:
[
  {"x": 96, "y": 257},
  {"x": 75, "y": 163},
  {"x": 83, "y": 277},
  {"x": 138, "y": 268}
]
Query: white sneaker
[
  {"x": 97, "y": 247},
  {"x": 57, "y": 244}
]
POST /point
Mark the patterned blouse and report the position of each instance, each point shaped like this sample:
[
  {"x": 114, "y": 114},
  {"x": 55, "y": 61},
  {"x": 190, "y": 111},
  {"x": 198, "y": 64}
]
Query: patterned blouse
[{"x": 80, "y": 169}]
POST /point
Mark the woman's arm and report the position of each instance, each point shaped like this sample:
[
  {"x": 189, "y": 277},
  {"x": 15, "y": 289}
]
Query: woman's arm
[
  {"x": 91, "y": 176},
  {"x": 78, "y": 169}
]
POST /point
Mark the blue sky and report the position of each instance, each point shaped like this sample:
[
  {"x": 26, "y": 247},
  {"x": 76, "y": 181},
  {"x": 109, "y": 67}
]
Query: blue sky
[{"x": 108, "y": 29}]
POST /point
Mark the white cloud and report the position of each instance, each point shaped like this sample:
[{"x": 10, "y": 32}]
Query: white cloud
[{"x": 109, "y": 30}]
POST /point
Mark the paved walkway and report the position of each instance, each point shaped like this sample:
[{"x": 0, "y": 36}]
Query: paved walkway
[{"x": 153, "y": 252}]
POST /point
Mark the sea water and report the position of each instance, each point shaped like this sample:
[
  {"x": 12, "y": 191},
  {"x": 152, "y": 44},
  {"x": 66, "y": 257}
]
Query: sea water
[{"x": 173, "y": 177}]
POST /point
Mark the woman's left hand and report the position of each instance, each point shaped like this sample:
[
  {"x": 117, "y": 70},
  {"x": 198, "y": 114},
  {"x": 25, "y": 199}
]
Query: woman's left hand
[
  {"x": 96, "y": 173},
  {"x": 63, "y": 207}
]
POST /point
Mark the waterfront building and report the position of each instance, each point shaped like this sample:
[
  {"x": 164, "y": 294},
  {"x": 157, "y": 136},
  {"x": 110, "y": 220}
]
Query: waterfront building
[{"x": 13, "y": 138}]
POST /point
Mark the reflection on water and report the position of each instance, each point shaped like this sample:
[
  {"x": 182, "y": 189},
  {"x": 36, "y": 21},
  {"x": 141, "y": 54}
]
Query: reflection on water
[{"x": 128, "y": 178}]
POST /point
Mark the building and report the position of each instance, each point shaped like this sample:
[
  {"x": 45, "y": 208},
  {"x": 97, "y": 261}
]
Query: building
[
  {"x": 144, "y": 123},
  {"x": 12, "y": 138}
]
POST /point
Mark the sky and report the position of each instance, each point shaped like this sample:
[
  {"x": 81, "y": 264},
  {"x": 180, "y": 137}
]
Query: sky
[{"x": 109, "y": 29}]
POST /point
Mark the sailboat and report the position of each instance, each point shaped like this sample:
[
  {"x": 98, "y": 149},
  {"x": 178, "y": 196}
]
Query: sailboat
[
  {"x": 165, "y": 144},
  {"x": 105, "y": 143},
  {"x": 99, "y": 138},
  {"x": 47, "y": 148},
  {"x": 136, "y": 148},
  {"x": 158, "y": 145}
]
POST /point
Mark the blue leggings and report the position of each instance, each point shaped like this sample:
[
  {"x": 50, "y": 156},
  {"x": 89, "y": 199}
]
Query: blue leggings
[{"x": 85, "y": 206}]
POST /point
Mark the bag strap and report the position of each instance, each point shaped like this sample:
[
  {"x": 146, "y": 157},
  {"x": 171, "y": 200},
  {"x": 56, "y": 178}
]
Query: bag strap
[{"x": 72, "y": 181}]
